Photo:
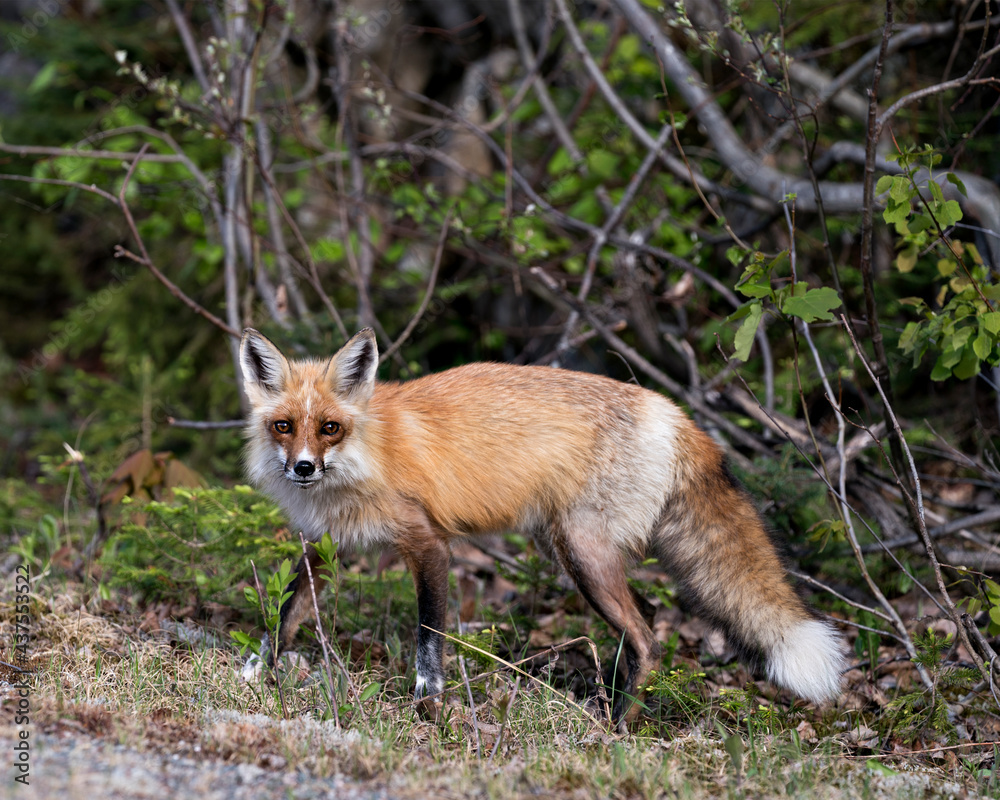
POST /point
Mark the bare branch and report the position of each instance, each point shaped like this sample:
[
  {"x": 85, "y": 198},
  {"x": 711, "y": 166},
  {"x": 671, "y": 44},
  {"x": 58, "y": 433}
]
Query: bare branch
[
  {"x": 205, "y": 425},
  {"x": 75, "y": 152},
  {"x": 146, "y": 261},
  {"x": 431, "y": 281},
  {"x": 58, "y": 182},
  {"x": 194, "y": 58}
]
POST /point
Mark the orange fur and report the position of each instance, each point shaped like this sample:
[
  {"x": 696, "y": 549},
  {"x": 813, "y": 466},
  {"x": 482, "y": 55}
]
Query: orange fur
[{"x": 599, "y": 472}]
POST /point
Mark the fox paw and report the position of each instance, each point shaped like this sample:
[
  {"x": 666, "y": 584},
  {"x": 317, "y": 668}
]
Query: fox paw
[{"x": 252, "y": 669}]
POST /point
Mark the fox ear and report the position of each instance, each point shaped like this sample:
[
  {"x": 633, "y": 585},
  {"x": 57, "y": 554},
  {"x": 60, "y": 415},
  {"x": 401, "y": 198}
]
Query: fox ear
[
  {"x": 352, "y": 370},
  {"x": 262, "y": 363}
]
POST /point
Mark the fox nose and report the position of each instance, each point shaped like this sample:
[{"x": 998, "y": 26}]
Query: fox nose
[{"x": 304, "y": 469}]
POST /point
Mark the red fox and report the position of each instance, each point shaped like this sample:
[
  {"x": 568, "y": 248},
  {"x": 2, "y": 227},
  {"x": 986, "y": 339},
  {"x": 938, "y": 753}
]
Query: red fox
[{"x": 599, "y": 472}]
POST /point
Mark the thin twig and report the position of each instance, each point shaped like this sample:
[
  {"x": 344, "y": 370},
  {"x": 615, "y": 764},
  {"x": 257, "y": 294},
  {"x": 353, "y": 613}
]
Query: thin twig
[
  {"x": 881, "y": 369},
  {"x": 601, "y": 237},
  {"x": 948, "y": 528},
  {"x": 472, "y": 705},
  {"x": 802, "y": 576},
  {"x": 96, "y": 155},
  {"x": 428, "y": 293},
  {"x": 187, "y": 38},
  {"x": 58, "y": 182},
  {"x": 263, "y": 161},
  {"x": 206, "y": 425},
  {"x": 311, "y": 272}
]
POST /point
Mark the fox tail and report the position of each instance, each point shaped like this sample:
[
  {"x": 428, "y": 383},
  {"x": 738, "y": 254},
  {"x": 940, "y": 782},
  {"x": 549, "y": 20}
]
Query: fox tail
[{"x": 715, "y": 545}]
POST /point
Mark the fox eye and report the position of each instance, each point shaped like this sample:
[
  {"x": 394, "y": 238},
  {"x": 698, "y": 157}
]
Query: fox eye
[
  {"x": 330, "y": 428},
  {"x": 283, "y": 426}
]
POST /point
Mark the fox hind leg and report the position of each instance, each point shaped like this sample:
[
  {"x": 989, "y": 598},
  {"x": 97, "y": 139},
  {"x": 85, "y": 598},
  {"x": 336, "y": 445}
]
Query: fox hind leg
[{"x": 598, "y": 569}]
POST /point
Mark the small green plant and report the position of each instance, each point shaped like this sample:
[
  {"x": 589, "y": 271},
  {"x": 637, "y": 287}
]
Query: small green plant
[
  {"x": 988, "y": 598},
  {"x": 37, "y": 546},
  {"x": 867, "y": 645},
  {"x": 914, "y": 714},
  {"x": 196, "y": 547},
  {"x": 481, "y": 646},
  {"x": 681, "y": 691},
  {"x": 275, "y": 594},
  {"x": 961, "y": 326}
]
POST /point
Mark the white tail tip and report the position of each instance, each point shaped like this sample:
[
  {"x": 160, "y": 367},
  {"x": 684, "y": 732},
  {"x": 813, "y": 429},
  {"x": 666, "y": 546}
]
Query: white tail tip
[{"x": 808, "y": 661}]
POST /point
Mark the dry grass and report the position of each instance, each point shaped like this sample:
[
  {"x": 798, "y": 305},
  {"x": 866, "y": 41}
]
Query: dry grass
[{"x": 98, "y": 675}]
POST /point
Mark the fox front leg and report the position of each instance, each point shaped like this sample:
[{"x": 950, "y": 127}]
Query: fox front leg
[
  {"x": 427, "y": 555},
  {"x": 293, "y": 611}
]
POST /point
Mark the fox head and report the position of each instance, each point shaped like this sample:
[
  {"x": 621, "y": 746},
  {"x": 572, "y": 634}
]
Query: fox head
[{"x": 306, "y": 415}]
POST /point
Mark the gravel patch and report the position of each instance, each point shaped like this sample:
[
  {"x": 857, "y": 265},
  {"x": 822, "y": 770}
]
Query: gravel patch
[{"x": 71, "y": 768}]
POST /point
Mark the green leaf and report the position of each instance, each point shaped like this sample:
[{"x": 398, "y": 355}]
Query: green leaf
[
  {"x": 908, "y": 336},
  {"x": 629, "y": 48},
  {"x": 877, "y": 766},
  {"x": 603, "y": 164},
  {"x": 44, "y": 77},
  {"x": 954, "y": 179},
  {"x": 907, "y": 259},
  {"x": 946, "y": 266},
  {"x": 917, "y": 302},
  {"x": 991, "y": 321},
  {"x": 588, "y": 209},
  {"x": 940, "y": 371},
  {"x": 755, "y": 281},
  {"x": 896, "y": 212},
  {"x": 936, "y": 192},
  {"x": 884, "y": 184},
  {"x": 747, "y": 331},
  {"x": 294, "y": 197},
  {"x": 949, "y": 213},
  {"x": 901, "y": 191},
  {"x": 559, "y": 162},
  {"x": 982, "y": 346},
  {"x": 369, "y": 691},
  {"x": 755, "y": 290},
  {"x": 815, "y": 304},
  {"x": 968, "y": 366}
]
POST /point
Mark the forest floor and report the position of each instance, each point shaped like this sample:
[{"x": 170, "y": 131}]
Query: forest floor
[{"x": 117, "y": 711}]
